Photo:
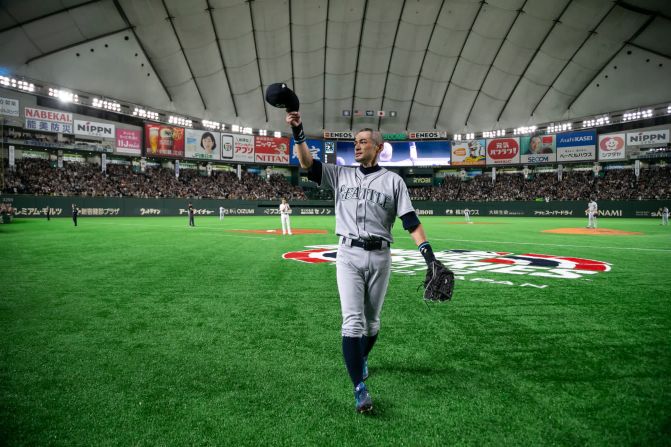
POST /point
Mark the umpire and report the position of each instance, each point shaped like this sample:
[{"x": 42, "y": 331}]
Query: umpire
[{"x": 367, "y": 201}]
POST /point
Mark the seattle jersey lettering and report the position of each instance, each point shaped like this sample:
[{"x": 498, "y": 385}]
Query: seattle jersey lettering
[{"x": 369, "y": 195}]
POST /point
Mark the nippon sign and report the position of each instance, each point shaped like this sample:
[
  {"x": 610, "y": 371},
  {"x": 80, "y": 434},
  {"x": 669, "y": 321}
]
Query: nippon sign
[
  {"x": 472, "y": 265},
  {"x": 428, "y": 135},
  {"x": 648, "y": 138},
  {"x": 338, "y": 135},
  {"x": 93, "y": 129}
]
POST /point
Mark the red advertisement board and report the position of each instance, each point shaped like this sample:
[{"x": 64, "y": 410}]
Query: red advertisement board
[
  {"x": 271, "y": 150},
  {"x": 163, "y": 141},
  {"x": 503, "y": 151}
]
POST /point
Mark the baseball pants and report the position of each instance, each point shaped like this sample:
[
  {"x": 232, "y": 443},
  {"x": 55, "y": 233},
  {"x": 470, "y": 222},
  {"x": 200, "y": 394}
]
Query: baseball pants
[
  {"x": 363, "y": 277},
  {"x": 286, "y": 224}
]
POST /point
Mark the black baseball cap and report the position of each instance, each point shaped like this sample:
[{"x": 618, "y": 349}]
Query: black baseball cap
[{"x": 280, "y": 96}]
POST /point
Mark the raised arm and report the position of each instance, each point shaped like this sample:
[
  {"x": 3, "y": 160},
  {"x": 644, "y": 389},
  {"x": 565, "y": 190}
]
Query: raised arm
[{"x": 301, "y": 148}]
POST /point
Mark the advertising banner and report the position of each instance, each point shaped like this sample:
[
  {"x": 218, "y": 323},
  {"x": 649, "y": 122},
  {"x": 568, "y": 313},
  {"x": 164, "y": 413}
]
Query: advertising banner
[
  {"x": 226, "y": 146},
  {"x": 470, "y": 152},
  {"x": 12, "y": 156},
  {"x": 538, "y": 149},
  {"x": 9, "y": 106},
  {"x": 48, "y": 120},
  {"x": 243, "y": 148},
  {"x": 163, "y": 141},
  {"x": 433, "y": 134},
  {"x": 576, "y": 146},
  {"x": 648, "y": 138},
  {"x": 503, "y": 151},
  {"x": 401, "y": 153},
  {"x": 611, "y": 147},
  {"x": 128, "y": 141},
  {"x": 271, "y": 150},
  {"x": 103, "y": 162},
  {"x": 202, "y": 144},
  {"x": 316, "y": 148},
  {"x": 93, "y": 129}
]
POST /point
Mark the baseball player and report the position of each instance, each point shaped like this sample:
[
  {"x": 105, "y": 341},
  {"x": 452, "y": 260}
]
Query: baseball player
[
  {"x": 592, "y": 210},
  {"x": 221, "y": 213},
  {"x": 665, "y": 216},
  {"x": 467, "y": 215},
  {"x": 285, "y": 210},
  {"x": 75, "y": 213},
  {"x": 368, "y": 198},
  {"x": 191, "y": 213}
]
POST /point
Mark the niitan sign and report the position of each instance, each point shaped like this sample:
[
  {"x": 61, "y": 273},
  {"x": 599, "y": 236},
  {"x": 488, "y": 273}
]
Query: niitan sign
[
  {"x": 648, "y": 138},
  {"x": 93, "y": 129},
  {"x": 426, "y": 135},
  {"x": 345, "y": 135}
]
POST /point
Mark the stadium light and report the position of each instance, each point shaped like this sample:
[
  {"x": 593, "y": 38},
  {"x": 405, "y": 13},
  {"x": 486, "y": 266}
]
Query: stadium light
[
  {"x": 214, "y": 125},
  {"x": 524, "y": 130},
  {"x": 457, "y": 137},
  {"x": 470, "y": 136},
  {"x": 180, "y": 121},
  {"x": 247, "y": 130},
  {"x": 148, "y": 114},
  {"x": 634, "y": 116},
  {"x": 594, "y": 122},
  {"x": 277, "y": 134},
  {"x": 63, "y": 95},
  {"x": 105, "y": 104},
  {"x": 263, "y": 132},
  {"x": 493, "y": 133},
  {"x": 235, "y": 128},
  {"x": 560, "y": 127}
]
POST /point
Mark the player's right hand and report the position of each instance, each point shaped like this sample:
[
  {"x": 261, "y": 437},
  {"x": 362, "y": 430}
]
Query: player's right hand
[{"x": 293, "y": 119}]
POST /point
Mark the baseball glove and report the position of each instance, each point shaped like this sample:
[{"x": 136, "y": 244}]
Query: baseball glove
[{"x": 438, "y": 283}]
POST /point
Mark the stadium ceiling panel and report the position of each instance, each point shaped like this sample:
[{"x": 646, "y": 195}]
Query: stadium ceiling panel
[{"x": 454, "y": 65}]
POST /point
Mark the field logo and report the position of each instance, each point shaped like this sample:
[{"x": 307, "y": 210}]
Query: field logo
[{"x": 468, "y": 263}]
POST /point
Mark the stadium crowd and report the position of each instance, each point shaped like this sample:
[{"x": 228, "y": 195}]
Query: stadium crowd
[
  {"x": 38, "y": 177},
  {"x": 654, "y": 183}
]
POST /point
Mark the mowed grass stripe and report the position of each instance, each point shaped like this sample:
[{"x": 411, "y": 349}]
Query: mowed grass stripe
[{"x": 142, "y": 331}]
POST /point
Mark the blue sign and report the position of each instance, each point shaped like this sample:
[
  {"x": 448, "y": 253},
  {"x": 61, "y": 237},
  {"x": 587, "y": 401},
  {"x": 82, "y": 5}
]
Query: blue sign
[
  {"x": 571, "y": 139},
  {"x": 316, "y": 149}
]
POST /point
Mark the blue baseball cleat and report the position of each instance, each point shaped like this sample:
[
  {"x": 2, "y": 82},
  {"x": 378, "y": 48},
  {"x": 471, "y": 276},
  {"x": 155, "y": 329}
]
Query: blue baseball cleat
[
  {"x": 365, "y": 368},
  {"x": 363, "y": 401}
]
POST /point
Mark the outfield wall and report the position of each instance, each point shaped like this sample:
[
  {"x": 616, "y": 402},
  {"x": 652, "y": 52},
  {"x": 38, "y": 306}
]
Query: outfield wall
[{"x": 36, "y": 206}]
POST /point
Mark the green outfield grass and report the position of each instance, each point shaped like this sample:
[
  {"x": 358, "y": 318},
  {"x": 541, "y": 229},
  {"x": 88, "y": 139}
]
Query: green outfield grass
[{"x": 143, "y": 331}]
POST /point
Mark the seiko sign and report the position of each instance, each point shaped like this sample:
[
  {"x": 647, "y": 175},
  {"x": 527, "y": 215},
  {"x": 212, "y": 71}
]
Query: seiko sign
[
  {"x": 426, "y": 135},
  {"x": 92, "y": 129},
  {"x": 650, "y": 137}
]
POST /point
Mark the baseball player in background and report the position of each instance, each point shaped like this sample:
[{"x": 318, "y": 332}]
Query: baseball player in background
[
  {"x": 221, "y": 213},
  {"x": 368, "y": 198},
  {"x": 467, "y": 215},
  {"x": 592, "y": 210},
  {"x": 191, "y": 213},
  {"x": 665, "y": 216},
  {"x": 285, "y": 210}
]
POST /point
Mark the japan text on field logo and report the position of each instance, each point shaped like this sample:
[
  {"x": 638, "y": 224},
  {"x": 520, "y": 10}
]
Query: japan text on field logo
[{"x": 533, "y": 264}]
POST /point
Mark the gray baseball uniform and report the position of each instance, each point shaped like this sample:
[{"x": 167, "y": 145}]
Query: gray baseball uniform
[{"x": 367, "y": 202}]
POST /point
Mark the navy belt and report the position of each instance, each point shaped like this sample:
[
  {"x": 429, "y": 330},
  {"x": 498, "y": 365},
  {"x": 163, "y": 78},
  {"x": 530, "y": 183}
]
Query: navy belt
[{"x": 368, "y": 245}]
